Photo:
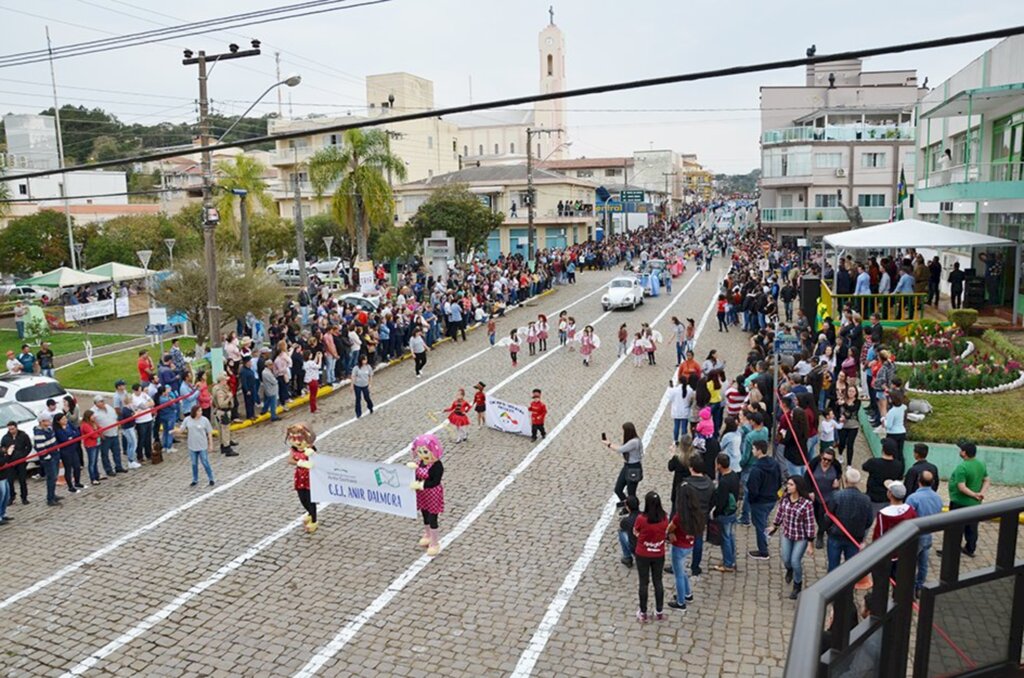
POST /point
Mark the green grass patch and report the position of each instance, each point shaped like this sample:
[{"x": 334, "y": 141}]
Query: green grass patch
[
  {"x": 111, "y": 367},
  {"x": 986, "y": 419},
  {"x": 62, "y": 343}
]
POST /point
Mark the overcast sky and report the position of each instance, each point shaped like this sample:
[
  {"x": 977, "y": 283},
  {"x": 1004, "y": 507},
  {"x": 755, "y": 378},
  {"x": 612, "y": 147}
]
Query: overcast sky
[{"x": 492, "y": 43}]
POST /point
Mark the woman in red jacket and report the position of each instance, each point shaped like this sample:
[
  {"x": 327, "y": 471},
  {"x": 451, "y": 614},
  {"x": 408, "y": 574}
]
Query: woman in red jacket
[
  {"x": 91, "y": 442},
  {"x": 650, "y": 528}
]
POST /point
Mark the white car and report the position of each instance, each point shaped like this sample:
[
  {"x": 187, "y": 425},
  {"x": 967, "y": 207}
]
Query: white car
[
  {"x": 328, "y": 266},
  {"x": 623, "y": 292},
  {"x": 15, "y": 292},
  {"x": 30, "y": 390},
  {"x": 360, "y": 300}
]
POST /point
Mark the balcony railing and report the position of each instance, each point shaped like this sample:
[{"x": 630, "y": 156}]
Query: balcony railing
[
  {"x": 838, "y": 133},
  {"x": 287, "y": 156},
  {"x": 966, "y": 623},
  {"x": 820, "y": 214},
  {"x": 973, "y": 173}
]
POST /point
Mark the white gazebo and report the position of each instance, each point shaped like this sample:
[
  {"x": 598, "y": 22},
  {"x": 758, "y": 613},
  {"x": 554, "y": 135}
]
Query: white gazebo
[{"x": 915, "y": 233}]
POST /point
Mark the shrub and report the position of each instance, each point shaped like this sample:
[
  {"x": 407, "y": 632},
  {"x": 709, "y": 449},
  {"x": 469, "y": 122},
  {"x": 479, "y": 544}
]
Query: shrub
[
  {"x": 928, "y": 341},
  {"x": 964, "y": 318},
  {"x": 976, "y": 372},
  {"x": 1004, "y": 345}
]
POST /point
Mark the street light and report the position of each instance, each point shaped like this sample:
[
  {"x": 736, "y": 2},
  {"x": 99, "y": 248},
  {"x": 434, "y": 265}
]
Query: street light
[
  {"x": 170, "y": 249},
  {"x": 78, "y": 250},
  {"x": 291, "y": 81},
  {"x": 328, "y": 241}
]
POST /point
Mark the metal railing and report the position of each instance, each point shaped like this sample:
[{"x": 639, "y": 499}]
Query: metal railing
[
  {"x": 973, "y": 173},
  {"x": 820, "y": 214},
  {"x": 903, "y": 306},
  {"x": 854, "y": 132},
  {"x": 966, "y": 624}
]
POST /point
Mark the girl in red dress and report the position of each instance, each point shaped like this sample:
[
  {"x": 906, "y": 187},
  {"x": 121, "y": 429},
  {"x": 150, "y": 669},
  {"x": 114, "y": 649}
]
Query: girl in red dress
[
  {"x": 301, "y": 439},
  {"x": 457, "y": 416},
  {"x": 480, "y": 403},
  {"x": 542, "y": 332},
  {"x": 427, "y": 451}
]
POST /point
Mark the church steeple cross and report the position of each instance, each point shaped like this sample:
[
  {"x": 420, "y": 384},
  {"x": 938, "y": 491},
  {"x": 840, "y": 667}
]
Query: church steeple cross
[{"x": 551, "y": 12}]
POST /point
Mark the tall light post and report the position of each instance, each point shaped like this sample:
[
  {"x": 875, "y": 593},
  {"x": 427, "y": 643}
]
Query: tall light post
[
  {"x": 243, "y": 225},
  {"x": 145, "y": 256},
  {"x": 210, "y": 215},
  {"x": 170, "y": 249},
  {"x": 78, "y": 250},
  {"x": 328, "y": 241},
  {"x": 291, "y": 81},
  {"x": 530, "y": 233}
]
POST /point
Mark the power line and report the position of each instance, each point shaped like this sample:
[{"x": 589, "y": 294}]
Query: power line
[
  {"x": 196, "y": 28},
  {"x": 573, "y": 93}
]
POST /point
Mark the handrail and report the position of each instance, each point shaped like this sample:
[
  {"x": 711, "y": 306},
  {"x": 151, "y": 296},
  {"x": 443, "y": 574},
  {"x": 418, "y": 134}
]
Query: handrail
[{"x": 805, "y": 650}]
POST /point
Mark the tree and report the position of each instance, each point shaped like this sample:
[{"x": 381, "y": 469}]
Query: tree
[
  {"x": 37, "y": 242},
  {"x": 395, "y": 243},
  {"x": 245, "y": 173},
  {"x": 270, "y": 233},
  {"x": 238, "y": 292},
  {"x": 120, "y": 238},
  {"x": 5, "y": 194},
  {"x": 454, "y": 209},
  {"x": 319, "y": 226},
  {"x": 363, "y": 197}
]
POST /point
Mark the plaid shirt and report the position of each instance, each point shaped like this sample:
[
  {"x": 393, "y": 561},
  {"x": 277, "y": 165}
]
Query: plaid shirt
[{"x": 796, "y": 518}]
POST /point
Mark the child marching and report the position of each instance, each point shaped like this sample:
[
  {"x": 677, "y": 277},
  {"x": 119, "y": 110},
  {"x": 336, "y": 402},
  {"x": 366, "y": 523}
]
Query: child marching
[
  {"x": 427, "y": 452},
  {"x": 300, "y": 440},
  {"x": 570, "y": 332},
  {"x": 457, "y": 412},
  {"x": 492, "y": 328},
  {"x": 480, "y": 403},
  {"x": 563, "y": 328},
  {"x": 542, "y": 332},
  {"x": 588, "y": 344},
  {"x": 639, "y": 349},
  {"x": 531, "y": 338},
  {"x": 513, "y": 347},
  {"x": 538, "y": 412},
  {"x": 623, "y": 341}
]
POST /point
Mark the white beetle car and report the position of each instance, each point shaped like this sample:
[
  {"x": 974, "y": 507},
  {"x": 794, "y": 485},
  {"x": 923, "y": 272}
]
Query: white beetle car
[{"x": 623, "y": 292}]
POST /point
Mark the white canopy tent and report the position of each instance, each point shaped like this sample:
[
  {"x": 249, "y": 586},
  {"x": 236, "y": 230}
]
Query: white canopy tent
[
  {"x": 117, "y": 272},
  {"x": 915, "y": 233}
]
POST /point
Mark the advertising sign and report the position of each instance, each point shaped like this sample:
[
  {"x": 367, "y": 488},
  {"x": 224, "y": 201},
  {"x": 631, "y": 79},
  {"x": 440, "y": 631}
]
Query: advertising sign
[
  {"x": 367, "y": 285},
  {"x": 363, "y": 484},
  {"x": 507, "y": 417},
  {"x": 92, "y": 309}
]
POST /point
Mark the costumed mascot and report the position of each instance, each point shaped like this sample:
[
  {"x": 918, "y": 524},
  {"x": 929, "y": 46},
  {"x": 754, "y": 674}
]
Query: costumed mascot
[
  {"x": 427, "y": 452},
  {"x": 301, "y": 438}
]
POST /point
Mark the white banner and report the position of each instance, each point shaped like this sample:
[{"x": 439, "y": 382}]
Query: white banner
[
  {"x": 122, "y": 307},
  {"x": 367, "y": 283},
  {"x": 92, "y": 309},
  {"x": 363, "y": 484},
  {"x": 508, "y": 417}
]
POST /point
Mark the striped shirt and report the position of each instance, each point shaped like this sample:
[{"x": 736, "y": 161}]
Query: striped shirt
[
  {"x": 734, "y": 402},
  {"x": 796, "y": 518}
]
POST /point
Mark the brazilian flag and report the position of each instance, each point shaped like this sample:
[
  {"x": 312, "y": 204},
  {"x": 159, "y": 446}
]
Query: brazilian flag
[{"x": 901, "y": 194}]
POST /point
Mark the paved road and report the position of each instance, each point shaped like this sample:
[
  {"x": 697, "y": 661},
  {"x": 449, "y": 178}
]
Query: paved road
[{"x": 147, "y": 576}]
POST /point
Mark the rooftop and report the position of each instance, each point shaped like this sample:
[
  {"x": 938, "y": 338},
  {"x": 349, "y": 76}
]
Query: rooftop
[
  {"x": 586, "y": 163},
  {"x": 494, "y": 174},
  {"x": 492, "y": 118}
]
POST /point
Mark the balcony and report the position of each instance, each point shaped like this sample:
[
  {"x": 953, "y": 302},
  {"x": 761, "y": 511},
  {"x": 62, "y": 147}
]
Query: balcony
[
  {"x": 287, "y": 156},
  {"x": 865, "y": 132},
  {"x": 973, "y": 181},
  {"x": 825, "y": 215}
]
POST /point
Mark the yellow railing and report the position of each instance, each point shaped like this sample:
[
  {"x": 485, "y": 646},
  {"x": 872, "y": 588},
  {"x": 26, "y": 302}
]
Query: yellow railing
[{"x": 891, "y": 307}]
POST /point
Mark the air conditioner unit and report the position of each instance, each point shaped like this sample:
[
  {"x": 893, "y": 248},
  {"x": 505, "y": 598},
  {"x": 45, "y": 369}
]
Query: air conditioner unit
[{"x": 840, "y": 172}]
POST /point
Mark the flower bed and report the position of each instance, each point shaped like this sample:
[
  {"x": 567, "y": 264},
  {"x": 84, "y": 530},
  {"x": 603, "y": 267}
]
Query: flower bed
[
  {"x": 974, "y": 375},
  {"x": 930, "y": 342}
]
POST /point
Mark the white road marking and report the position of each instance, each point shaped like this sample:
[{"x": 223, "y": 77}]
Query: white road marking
[
  {"x": 345, "y": 635},
  {"x": 177, "y": 511},
  {"x": 183, "y": 599},
  {"x": 528, "y": 659}
]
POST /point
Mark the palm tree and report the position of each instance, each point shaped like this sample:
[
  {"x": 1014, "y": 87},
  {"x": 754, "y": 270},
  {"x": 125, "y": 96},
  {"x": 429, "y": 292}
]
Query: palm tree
[
  {"x": 363, "y": 195},
  {"x": 5, "y": 195},
  {"x": 245, "y": 173}
]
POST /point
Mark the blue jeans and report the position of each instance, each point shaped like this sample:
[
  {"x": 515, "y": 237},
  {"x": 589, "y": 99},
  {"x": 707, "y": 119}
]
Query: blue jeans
[
  {"x": 110, "y": 450},
  {"x": 5, "y": 493},
  {"x": 627, "y": 548},
  {"x": 362, "y": 393},
  {"x": 51, "y": 464},
  {"x": 793, "y": 556},
  {"x": 759, "y": 513},
  {"x": 679, "y": 354},
  {"x": 20, "y": 324},
  {"x": 92, "y": 455},
  {"x": 728, "y": 525},
  {"x": 329, "y": 365},
  {"x": 270, "y": 405},
  {"x": 698, "y": 555},
  {"x": 679, "y": 428},
  {"x": 922, "y": 567},
  {"x": 168, "y": 433},
  {"x": 745, "y": 509},
  {"x": 679, "y": 556},
  {"x": 353, "y": 360},
  {"x": 840, "y": 548},
  {"x": 131, "y": 443},
  {"x": 812, "y": 447},
  {"x": 197, "y": 456},
  {"x": 794, "y": 469}
]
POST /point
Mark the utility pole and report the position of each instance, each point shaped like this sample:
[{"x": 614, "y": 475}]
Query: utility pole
[
  {"x": 300, "y": 232},
  {"x": 277, "y": 65},
  {"x": 531, "y": 235},
  {"x": 210, "y": 216},
  {"x": 60, "y": 156},
  {"x": 668, "y": 196},
  {"x": 243, "y": 225}
]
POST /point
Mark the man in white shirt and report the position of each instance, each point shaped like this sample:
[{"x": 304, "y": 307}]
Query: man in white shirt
[{"x": 141, "y": 402}]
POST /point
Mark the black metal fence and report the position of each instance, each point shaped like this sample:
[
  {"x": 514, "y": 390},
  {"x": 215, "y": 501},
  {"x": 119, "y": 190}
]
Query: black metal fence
[{"x": 967, "y": 623}]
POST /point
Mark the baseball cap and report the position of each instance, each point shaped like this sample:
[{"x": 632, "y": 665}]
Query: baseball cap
[
  {"x": 897, "y": 488},
  {"x": 119, "y": 382},
  {"x": 100, "y": 398}
]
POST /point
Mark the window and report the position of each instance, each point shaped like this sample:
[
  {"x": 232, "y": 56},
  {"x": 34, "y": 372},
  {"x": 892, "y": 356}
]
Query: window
[
  {"x": 480, "y": 150},
  {"x": 584, "y": 174},
  {"x": 873, "y": 160},
  {"x": 22, "y": 189},
  {"x": 551, "y": 65},
  {"x": 871, "y": 200},
  {"x": 512, "y": 147},
  {"x": 465, "y": 151},
  {"x": 430, "y": 142},
  {"x": 828, "y": 160},
  {"x": 42, "y": 392},
  {"x": 430, "y": 173},
  {"x": 497, "y": 149},
  {"x": 334, "y": 140},
  {"x": 826, "y": 200},
  {"x": 538, "y": 150},
  {"x": 613, "y": 172},
  {"x": 786, "y": 162},
  {"x": 910, "y": 160}
]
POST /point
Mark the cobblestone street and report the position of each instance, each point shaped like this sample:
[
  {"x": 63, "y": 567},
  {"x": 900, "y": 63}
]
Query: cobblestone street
[{"x": 147, "y": 576}]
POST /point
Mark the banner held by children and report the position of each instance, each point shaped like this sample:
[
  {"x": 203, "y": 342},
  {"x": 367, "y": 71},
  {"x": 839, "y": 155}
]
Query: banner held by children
[
  {"x": 363, "y": 484},
  {"x": 507, "y": 417}
]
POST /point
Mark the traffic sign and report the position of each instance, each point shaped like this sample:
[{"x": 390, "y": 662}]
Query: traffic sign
[
  {"x": 632, "y": 196},
  {"x": 160, "y": 329},
  {"x": 787, "y": 345}
]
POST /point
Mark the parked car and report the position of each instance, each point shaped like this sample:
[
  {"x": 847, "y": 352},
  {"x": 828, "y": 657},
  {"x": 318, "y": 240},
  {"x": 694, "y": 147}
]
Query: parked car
[
  {"x": 329, "y": 266},
  {"x": 30, "y": 390},
  {"x": 368, "y": 304},
  {"x": 24, "y": 418},
  {"x": 623, "y": 292},
  {"x": 282, "y": 265},
  {"x": 15, "y": 292}
]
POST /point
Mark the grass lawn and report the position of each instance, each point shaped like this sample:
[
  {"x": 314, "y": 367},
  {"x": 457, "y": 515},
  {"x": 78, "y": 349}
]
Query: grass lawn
[
  {"x": 61, "y": 343},
  {"x": 990, "y": 419},
  {"x": 111, "y": 367}
]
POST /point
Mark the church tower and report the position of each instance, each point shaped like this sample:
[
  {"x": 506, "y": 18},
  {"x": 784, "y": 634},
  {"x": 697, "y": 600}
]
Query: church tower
[{"x": 551, "y": 114}]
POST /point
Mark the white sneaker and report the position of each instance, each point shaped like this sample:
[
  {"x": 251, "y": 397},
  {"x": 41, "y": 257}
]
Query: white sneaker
[{"x": 134, "y": 464}]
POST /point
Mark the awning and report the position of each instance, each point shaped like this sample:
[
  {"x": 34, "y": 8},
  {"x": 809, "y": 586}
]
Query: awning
[
  {"x": 118, "y": 272},
  {"x": 64, "y": 277},
  {"x": 911, "y": 233},
  {"x": 976, "y": 101},
  {"x": 486, "y": 190}
]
